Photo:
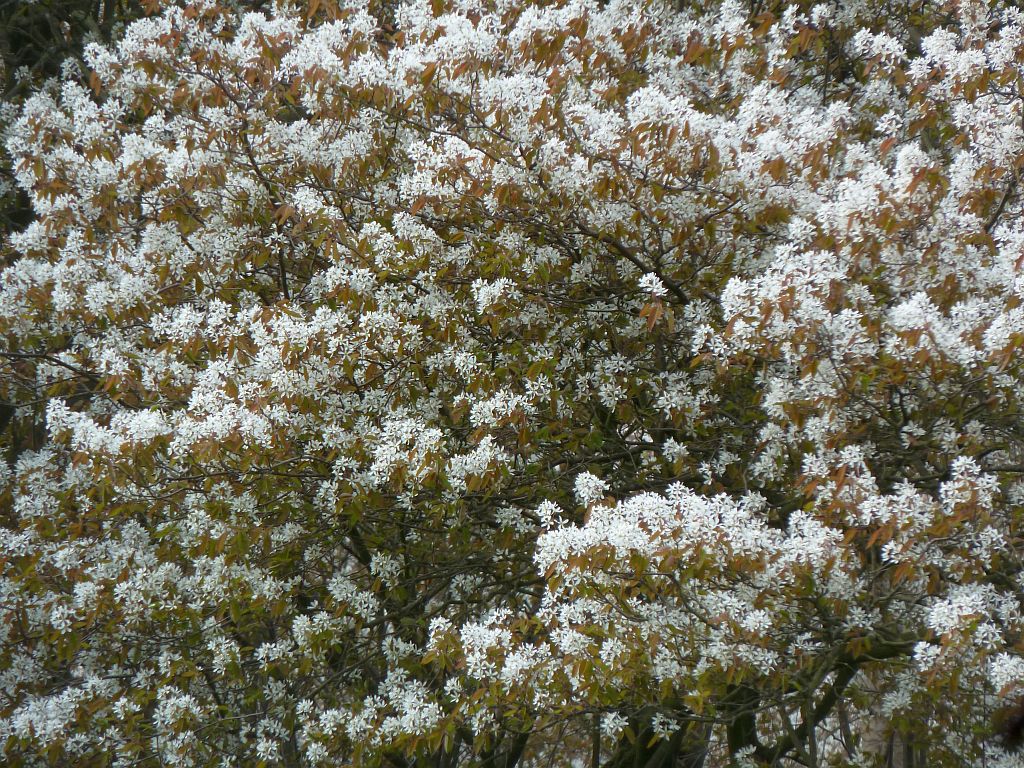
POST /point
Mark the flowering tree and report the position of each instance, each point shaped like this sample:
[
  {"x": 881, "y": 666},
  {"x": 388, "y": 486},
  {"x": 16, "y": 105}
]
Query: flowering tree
[{"x": 487, "y": 383}]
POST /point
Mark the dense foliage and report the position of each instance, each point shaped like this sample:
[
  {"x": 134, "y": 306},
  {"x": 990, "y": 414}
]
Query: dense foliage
[
  {"x": 38, "y": 38},
  {"x": 486, "y": 383}
]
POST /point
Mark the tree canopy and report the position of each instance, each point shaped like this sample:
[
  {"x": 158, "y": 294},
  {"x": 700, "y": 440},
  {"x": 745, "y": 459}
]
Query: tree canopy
[{"x": 496, "y": 383}]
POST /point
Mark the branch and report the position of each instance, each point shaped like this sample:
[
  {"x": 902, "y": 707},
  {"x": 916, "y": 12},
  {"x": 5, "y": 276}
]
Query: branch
[
  {"x": 627, "y": 253},
  {"x": 847, "y": 667},
  {"x": 1007, "y": 194},
  {"x": 771, "y": 756}
]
